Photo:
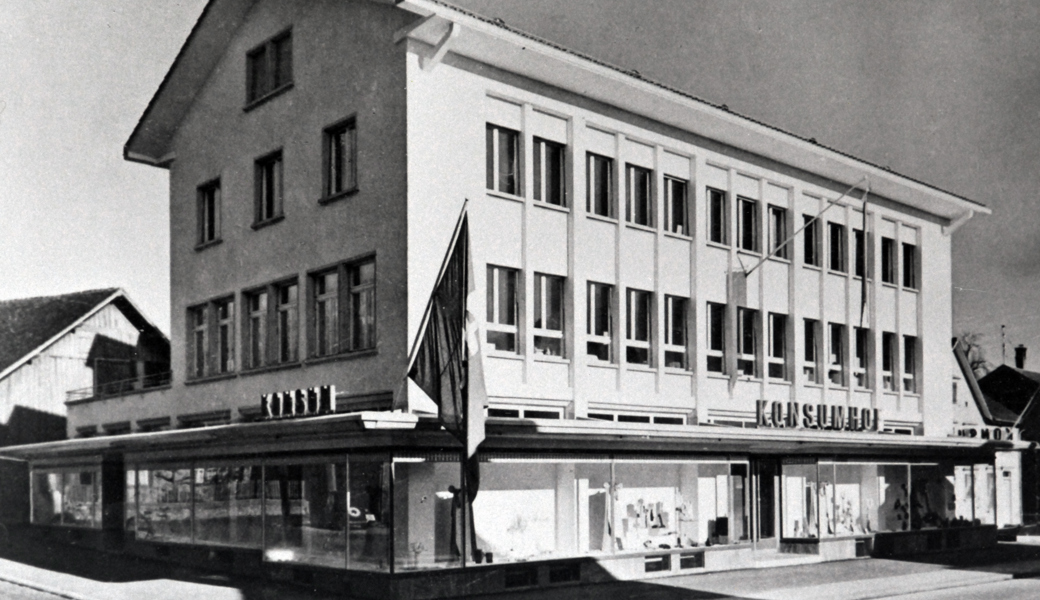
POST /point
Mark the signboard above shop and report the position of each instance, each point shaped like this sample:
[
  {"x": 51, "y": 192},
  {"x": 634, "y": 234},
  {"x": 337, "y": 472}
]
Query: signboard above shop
[
  {"x": 984, "y": 432},
  {"x": 308, "y": 402},
  {"x": 831, "y": 417}
]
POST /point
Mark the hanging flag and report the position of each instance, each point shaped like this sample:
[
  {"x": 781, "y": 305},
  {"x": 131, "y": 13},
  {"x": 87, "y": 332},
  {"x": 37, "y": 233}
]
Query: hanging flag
[
  {"x": 864, "y": 256},
  {"x": 447, "y": 364}
]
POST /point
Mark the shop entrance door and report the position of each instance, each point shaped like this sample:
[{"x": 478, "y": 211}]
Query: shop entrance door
[{"x": 766, "y": 472}]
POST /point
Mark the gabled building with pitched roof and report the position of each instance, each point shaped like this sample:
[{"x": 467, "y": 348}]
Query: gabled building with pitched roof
[{"x": 703, "y": 342}]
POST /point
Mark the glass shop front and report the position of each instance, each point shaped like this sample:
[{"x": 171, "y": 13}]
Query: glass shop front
[{"x": 391, "y": 512}]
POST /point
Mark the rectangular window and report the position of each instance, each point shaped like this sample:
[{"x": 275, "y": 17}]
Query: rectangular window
[
  {"x": 638, "y": 327},
  {"x": 836, "y": 235},
  {"x": 208, "y": 213},
  {"x": 836, "y": 360},
  {"x": 599, "y": 324},
  {"x": 718, "y": 217},
  {"x": 888, "y": 361},
  {"x": 778, "y": 232},
  {"x": 811, "y": 241},
  {"x": 503, "y": 160},
  {"x": 548, "y": 315},
  {"x": 225, "y": 335},
  {"x": 675, "y": 332},
  {"x": 716, "y": 327},
  {"x": 888, "y": 260},
  {"x": 287, "y": 322},
  {"x": 810, "y": 361},
  {"x": 325, "y": 333},
  {"x": 861, "y": 252},
  {"x": 197, "y": 355},
  {"x": 255, "y": 341},
  {"x": 361, "y": 305},
  {"x": 340, "y": 158},
  {"x": 747, "y": 342},
  {"x": 269, "y": 67},
  {"x": 909, "y": 266},
  {"x": 675, "y": 206},
  {"x": 777, "y": 346},
  {"x": 268, "y": 187},
  {"x": 600, "y": 185},
  {"x": 549, "y": 181},
  {"x": 910, "y": 364},
  {"x": 502, "y": 308},
  {"x": 640, "y": 195},
  {"x": 861, "y": 366},
  {"x": 747, "y": 225}
]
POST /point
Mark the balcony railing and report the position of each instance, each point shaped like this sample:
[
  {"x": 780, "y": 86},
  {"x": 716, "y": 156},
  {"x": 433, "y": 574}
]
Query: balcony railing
[{"x": 119, "y": 388}]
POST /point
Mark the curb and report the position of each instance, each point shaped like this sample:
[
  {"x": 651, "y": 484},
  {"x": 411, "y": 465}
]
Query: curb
[{"x": 44, "y": 588}]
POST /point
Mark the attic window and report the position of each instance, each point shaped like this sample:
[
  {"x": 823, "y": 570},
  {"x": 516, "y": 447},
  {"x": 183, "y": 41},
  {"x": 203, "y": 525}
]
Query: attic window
[{"x": 269, "y": 68}]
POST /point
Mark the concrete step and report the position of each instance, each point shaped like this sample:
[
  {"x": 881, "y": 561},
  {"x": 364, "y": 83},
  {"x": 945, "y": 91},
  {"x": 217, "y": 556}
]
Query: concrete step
[{"x": 765, "y": 559}]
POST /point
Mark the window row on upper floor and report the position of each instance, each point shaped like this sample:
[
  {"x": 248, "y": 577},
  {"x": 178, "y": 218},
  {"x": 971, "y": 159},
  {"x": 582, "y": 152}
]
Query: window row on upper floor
[
  {"x": 503, "y": 151},
  {"x": 339, "y": 315},
  {"x": 650, "y": 335},
  {"x": 339, "y": 179},
  {"x": 826, "y": 348}
]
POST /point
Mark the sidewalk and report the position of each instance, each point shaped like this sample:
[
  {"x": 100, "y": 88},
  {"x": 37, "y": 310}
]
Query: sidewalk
[{"x": 81, "y": 574}]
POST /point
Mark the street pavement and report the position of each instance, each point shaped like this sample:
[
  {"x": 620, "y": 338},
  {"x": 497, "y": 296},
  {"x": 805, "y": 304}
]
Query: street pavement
[{"x": 1008, "y": 571}]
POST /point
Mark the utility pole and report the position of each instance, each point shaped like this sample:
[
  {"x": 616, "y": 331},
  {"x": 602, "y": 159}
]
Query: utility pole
[{"x": 1003, "y": 346}]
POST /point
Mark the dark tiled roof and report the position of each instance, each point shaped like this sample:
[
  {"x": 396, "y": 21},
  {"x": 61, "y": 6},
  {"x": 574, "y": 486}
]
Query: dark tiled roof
[
  {"x": 1008, "y": 390},
  {"x": 27, "y": 323}
]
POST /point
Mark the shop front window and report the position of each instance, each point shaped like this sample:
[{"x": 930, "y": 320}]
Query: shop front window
[
  {"x": 800, "y": 514},
  {"x": 984, "y": 493},
  {"x": 47, "y": 490},
  {"x": 164, "y": 504},
  {"x": 305, "y": 513},
  {"x": 932, "y": 494},
  {"x": 893, "y": 498},
  {"x": 428, "y": 513},
  {"x": 855, "y": 499},
  {"x": 368, "y": 513},
  {"x": 228, "y": 506}
]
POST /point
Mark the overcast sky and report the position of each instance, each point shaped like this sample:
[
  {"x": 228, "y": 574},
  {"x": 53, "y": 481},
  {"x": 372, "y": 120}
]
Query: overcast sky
[{"x": 946, "y": 92}]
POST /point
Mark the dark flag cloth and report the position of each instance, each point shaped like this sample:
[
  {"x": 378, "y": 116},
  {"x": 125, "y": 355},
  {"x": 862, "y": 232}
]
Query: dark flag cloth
[{"x": 867, "y": 250}]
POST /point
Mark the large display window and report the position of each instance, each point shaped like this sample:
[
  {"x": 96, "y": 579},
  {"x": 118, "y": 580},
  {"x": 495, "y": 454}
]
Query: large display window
[
  {"x": 368, "y": 513},
  {"x": 833, "y": 499},
  {"x": 164, "y": 504},
  {"x": 305, "y": 512},
  {"x": 428, "y": 509},
  {"x": 228, "y": 509},
  {"x": 69, "y": 497}
]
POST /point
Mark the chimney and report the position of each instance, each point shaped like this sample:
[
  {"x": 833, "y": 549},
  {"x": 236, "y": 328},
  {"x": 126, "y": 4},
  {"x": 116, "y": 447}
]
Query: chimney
[{"x": 1020, "y": 356}]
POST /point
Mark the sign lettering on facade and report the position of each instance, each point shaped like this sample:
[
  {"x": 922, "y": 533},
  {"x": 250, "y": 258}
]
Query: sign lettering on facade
[
  {"x": 793, "y": 415},
  {"x": 299, "y": 403},
  {"x": 988, "y": 433}
]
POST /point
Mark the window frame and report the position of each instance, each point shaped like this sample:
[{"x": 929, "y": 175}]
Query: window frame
[
  {"x": 748, "y": 335},
  {"x": 889, "y": 358},
  {"x": 593, "y": 193},
  {"x": 635, "y": 301},
  {"x": 778, "y": 232},
  {"x": 599, "y": 306},
  {"x": 812, "y": 351},
  {"x": 224, "y": 335},
  {"x": 674, "y": 205},
  {"x": 495, "y": 180},
  {"x": 208, "y": 213},
  {"x": 811, "y": 251},
  {"x": 493, "y": 323},
  {"x": 540, "y": 328},
  {"x": 718, "y": 216},
  {"x": 543, "y": 182},
  {"x": 889, "y": 261},
  {"x": 715, "y": 332},
  {"x": 748, "y": 235},
  {"x": 346, "y": 308},
  {"x": 837, "y": 361},
  {"x": 262, "y": 186},
  {"x": 861, "y": 359},
  {"x": 198, "y": 346},
  {"x": 259, "y": 317},
  {"x": 343, "y": 129},
  {"x": 286, "y": 349},
  {"x": 270, "y": 51},
  {"x": 837, "y": 248},
  {"x": 211, "y": 345},
  {"x": 862, "y": 266},
  {"x": 909, "y": 263},
  {"x": 639, "y": 214},
  {"x": 676, "y": 323},
  {"x": 911, "y": 382},
  {"x": 777, "y": 351}
]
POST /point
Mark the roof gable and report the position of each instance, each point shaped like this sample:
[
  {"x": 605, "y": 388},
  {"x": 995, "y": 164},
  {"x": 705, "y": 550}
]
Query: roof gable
[
  {"x": 30, "y": 325},
  {"x": 1008, "y": 392}
]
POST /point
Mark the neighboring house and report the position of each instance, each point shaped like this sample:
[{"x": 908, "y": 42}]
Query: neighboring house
[
  {"x": 649, "y": 412},
  {"x": 86, "y": 341}
]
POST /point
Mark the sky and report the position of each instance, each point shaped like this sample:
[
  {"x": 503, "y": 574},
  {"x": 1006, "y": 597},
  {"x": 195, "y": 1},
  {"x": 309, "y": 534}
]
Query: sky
[{"x": 945, "y": 92}]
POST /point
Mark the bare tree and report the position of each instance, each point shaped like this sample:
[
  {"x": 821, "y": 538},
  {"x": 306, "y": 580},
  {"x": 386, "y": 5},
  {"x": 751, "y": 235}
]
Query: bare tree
[{"x": 972, "y": 345}]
